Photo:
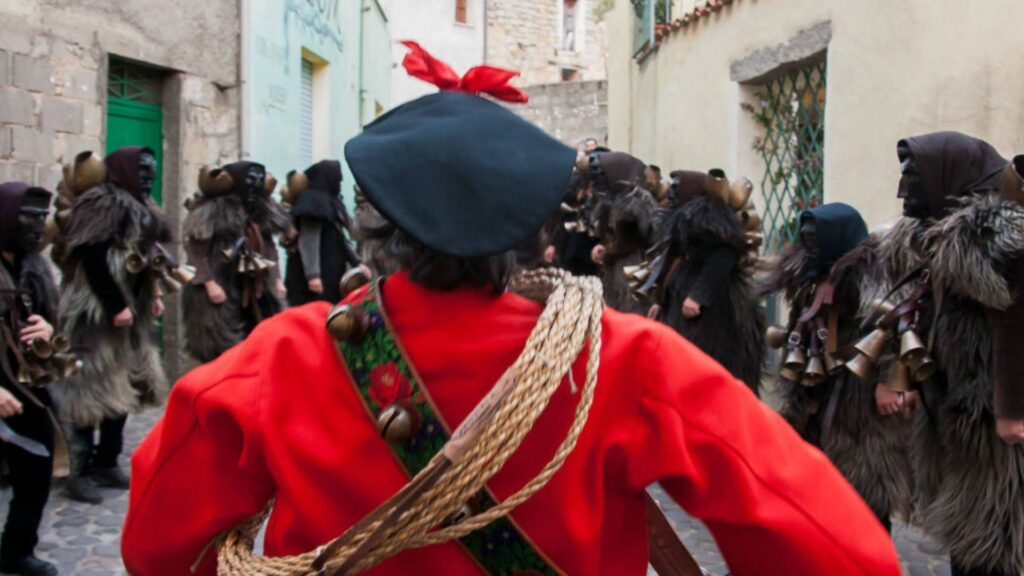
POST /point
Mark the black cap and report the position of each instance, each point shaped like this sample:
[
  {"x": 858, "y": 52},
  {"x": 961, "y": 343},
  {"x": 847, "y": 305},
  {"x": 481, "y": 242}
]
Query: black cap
[{"x": 461, "y": 174}]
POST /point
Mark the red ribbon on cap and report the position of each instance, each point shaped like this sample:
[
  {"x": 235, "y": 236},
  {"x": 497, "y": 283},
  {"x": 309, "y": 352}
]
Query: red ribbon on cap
[{"x": 479, "y": 79}]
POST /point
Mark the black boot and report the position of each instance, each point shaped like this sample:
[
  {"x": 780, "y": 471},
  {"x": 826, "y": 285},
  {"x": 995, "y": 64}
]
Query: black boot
[
  {"x": 81, "y": 489},
  {"x": 28, "y": 566},
  {"x": 112, "y": 477}
]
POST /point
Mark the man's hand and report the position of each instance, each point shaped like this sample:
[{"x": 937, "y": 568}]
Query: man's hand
[
  {"x": 654, "y": 312},
  {"x": 691, "y": 309},
  {"x": 890, "y": 401},
  {"x": 37, "y": 327},
  {"x": 9, "y": 405},
  {"x": 279, "y": 288},
  {"x": 214, "y": 293},
  {"x": 549, "y": 255},
  {"x": 1010, "y": 431},
  {"x": 598, "y": 253},
  {"x": 316, "y": 286},
  {"x": 124, "y": 318},
  {"x": 157, "y": 307}
]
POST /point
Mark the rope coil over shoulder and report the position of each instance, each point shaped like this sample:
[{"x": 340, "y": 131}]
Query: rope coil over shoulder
[{"x": 415, "y": 516}]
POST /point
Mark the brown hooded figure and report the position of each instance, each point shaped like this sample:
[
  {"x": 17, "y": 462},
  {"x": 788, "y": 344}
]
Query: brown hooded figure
[
  {"x": 229, "y": 237},
  {"x": 622, "y": 216},
  {"x": 703, "y": 281},
  {"x": 960, "y": 237},
  {"x": 108, "y": 306}
]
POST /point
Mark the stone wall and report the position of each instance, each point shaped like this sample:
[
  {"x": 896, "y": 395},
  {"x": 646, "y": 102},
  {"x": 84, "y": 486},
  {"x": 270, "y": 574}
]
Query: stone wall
[
  {"x": 569, "y": 111},
  {"x": 54, "y": 56},
  {"x": 524, "y": 35}
]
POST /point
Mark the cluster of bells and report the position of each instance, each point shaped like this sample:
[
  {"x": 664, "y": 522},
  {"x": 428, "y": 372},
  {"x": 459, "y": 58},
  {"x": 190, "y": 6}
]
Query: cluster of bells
[
  {"x": 245, "y": 260},
  {"x": 347, "y": 323},
  {"x": 170, "y": 274},
  {"x": 812, "y": 365},
  {"x": 736, "y": 196},
  {"x": 47, "y": 361}
]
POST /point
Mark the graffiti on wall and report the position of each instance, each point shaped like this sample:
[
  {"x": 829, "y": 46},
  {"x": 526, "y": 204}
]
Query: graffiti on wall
[{"x": 319, "y": 18}]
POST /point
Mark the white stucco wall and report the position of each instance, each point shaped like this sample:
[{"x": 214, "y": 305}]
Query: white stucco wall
[
  {"x": 894, "y": 69},
  {"x": 433, "y": 25}
]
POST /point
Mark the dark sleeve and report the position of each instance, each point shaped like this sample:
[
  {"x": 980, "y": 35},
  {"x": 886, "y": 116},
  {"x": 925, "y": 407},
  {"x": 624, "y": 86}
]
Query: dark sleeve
[
  {"x": 93, "y": 258},
  {"x": 199, "y": 257},
  {"x": 713, "y": 274},
  {"x": 1008, "y": 350},
  {"x": 309, "y": 247}
]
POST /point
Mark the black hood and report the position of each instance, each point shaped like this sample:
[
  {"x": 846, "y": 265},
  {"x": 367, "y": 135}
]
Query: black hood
[
  {"x": 14, "y": 196},
  {"x": 840, "y": 228},
  {"x": 953, "y": 165},
  {"x": 123, "y": 168},
  {"x": 325, "y": 177}
]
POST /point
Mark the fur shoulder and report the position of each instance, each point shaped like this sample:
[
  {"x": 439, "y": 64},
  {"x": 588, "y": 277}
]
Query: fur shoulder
[
  {"x": 100, "y": 214},
  {"x": 969, "y": 248},
  {"x": 214, "y": 216},
  {"x": 899, "y": 250}
]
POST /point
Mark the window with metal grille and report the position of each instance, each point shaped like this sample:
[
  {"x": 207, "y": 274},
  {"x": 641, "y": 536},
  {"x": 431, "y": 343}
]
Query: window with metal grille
[
  {"x": 646, "y": 14},
  {"x": 460, "y": 11},
  {"x": 134, "y": 82},
  {"x": 790, "y": 110},
  {"x": 306, "y": 113}
]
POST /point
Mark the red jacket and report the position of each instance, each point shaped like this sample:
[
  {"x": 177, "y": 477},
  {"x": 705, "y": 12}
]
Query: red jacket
[{"x": 277, "y": 416}]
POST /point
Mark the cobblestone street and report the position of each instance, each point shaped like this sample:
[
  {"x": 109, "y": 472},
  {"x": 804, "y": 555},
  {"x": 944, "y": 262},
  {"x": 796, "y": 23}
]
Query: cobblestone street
[{"x": 84, "y": 540}]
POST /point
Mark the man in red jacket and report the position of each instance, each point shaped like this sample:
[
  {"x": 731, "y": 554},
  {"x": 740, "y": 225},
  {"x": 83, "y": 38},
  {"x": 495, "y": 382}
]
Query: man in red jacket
[{"x": 286, "y": 416}]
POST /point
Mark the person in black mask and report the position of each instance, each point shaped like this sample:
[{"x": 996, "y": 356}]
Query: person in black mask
[
  {"x": 956, "y": 248},
  {"x": 109, "y": 302},
  {"x": 701, "y": 286},
  {"x": 830, "y": 279},
  {"x": 324, "y": 251},
  {"x": 571, "y": 245},
  {"x": 229, "y": 237},
  {"x": 28, "y": 312}
]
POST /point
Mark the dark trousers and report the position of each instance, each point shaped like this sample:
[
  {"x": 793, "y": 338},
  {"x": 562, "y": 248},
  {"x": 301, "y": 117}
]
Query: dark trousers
[
  {"x": 29, "y": 477},
  {"x": 957, "y": 570},
  {"x": 89, "y": 454}
]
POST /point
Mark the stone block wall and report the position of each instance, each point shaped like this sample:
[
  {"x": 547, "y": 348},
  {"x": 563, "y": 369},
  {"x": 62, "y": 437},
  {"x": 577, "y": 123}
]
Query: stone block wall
[
  {"x": 54, "y": 58},
  {"x": 524, "y": 35},
  {"x": 569, "y": 111}
]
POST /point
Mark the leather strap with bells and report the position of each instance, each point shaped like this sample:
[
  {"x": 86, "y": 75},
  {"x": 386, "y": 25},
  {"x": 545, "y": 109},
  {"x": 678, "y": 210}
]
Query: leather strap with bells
[{"x": 415, "y": 431}]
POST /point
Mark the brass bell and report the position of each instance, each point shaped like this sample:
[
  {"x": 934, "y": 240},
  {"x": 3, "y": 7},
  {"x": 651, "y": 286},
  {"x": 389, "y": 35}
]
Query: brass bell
[
  {"x": 355, "y": 278},
  {"x": 911, "y": 347},
  {"x": 716, "y": 185},
  {"x": 629, "y": 271},
  {"x": 60, "y": 343},
  {"x": 899, "y": 377},
  {"x": 754, "y": 240},
  {"x": 169, "y": 285},
  {"x": 795, "y": 359},
  {"x": 790, "y": 374},
  {"x": 750, "y": 220},
  {"x": 923, "y": 369},
  {"x": 739, "y": 193},
  {"x": 134, "y": 263},
  {"x": 183, "y": 273},
  {"x": 815, "y": 372},
  {"x": 861, "y": 366},
  {"x": 42, "y": 349},
  {"x": 347, "y": 323},
  {"x": 639, "y": 274},
  {"x": 23, "y": 376},
  {"x": 882, "y": 307},
  {"x": 395, "y": 423},
  {"x": 872, "y": 344},
  {"x": 566, "y": 209},
  {"x": 775, "y": 337},
  {"x": 833, "y": 365},
  {"x": 158, "y": 261}
]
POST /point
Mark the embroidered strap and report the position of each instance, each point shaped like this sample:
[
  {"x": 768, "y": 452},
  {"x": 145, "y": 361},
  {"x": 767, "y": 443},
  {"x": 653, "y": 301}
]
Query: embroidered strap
[{"x": 394, "y": 396}]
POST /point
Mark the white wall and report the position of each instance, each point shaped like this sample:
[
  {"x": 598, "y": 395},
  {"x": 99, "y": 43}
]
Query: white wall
[{"x": 432, "y": 24}]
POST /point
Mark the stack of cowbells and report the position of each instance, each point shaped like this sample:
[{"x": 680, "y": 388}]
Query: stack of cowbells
[
  {"x": 226, "y": 229},
  {"x": 623, "y": 217},
  {"x": 121, "y": 369},
  {"x": 969, "y": 483},
  {"x": 322, "y": 221},
  {"x": 706, "y": 251},
  {"x": 831, "y": 407}
]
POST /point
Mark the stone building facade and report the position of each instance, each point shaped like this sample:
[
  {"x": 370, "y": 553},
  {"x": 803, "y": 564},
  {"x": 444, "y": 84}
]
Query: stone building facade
[
  {"x": 569, "y": 111},
  {"x": 78, "y": 76}
]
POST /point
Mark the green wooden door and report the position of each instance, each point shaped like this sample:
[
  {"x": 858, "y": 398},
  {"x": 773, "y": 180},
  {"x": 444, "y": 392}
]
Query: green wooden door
[{"x": 131, "y": 123}]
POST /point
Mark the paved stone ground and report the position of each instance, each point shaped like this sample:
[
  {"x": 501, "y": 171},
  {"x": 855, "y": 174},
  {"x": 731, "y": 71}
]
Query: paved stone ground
[{"x": 84, "y": 540}]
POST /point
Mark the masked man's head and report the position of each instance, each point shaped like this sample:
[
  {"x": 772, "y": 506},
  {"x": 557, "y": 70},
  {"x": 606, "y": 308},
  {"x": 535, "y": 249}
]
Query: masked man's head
[{"x": 23, "y": 211}]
